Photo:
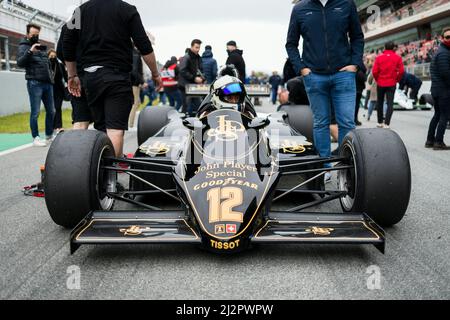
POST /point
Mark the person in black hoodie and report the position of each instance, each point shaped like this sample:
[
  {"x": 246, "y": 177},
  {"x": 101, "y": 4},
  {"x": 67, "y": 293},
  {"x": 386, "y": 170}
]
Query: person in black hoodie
[
  {"x": 191, "y": 72},
  {"x": 440, "y": 89},
  {"x": 235, "y": 58},
  {"x": 33, "y": 58},
  {"x": 59, "y": 75}
]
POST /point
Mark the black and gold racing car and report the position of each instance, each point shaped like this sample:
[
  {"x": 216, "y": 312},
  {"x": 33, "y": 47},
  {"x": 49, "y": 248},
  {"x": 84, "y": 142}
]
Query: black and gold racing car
[{"x": 223, "y": 171}]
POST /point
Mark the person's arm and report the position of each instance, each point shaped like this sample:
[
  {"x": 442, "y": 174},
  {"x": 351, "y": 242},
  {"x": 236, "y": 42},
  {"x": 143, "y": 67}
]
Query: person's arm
[
  {"x": 376, "y": 70},
  {"x": 23, "y": 56},
  {"x": 141, "y": 41},
  {"x": 401, "y": 69},
  {"x": 443, "y": 68},
  {"x": 292, "y": 43},
  {"x": 214, "y": 69},
  {"x": 356, "y": 38}
]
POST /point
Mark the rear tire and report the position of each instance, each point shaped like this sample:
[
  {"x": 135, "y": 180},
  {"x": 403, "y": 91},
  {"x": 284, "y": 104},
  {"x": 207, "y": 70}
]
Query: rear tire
[
  {"x": 300, "y": 118},
  {"x": 380, "y": 184},
  {"x": 74, "y": 183},
  {"x": 151, "y": 121}
]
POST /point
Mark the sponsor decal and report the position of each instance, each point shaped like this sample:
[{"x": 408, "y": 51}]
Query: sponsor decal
[
  {"x": 227, "y": 130},
  {"x": 320, "y": 231},
  {"x": 219, "y": 245},
  {"x": 294, "y": 147},
  {"x": 156, "y": 149},
  {"x": 134, "y": 231},
  {"x": 219, "y": 229},
  {"x": 231, "y": 228}
]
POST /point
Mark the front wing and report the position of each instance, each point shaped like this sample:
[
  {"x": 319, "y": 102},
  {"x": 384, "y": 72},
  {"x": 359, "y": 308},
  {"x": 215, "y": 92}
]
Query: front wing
[{"x": 171, "y": 227}]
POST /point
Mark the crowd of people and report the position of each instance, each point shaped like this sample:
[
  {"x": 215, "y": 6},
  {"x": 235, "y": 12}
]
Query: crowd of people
[{"x": 107, "y": 86}]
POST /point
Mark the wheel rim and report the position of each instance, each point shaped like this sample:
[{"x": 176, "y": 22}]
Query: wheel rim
[
  {"x": 106, "y": 182},
  {"x": 347, "y": 179}
]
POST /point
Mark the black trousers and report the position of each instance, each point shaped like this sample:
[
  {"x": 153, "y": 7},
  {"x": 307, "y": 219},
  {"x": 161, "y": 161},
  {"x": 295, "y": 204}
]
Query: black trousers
[
  {"x": 358, "y": 104},
  {"x": 58, "y": 98},
  {"x": 389, "y": 92},
  {"x": 439, "y": 121}
]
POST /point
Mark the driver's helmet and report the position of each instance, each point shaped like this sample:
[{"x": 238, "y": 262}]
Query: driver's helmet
[{"x": 228, "y": 93}]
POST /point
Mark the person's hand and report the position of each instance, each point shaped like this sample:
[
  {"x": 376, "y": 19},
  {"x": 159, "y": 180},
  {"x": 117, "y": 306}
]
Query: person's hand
[
  {"x": 351, "y": 68},
  {"x": 158, "y": 82},
  {"x": 34, "y": 47},
  {"x": 305, "y": 72},
  {"x": 74, "y": 86},
  {"x": 198, "y": 80}
]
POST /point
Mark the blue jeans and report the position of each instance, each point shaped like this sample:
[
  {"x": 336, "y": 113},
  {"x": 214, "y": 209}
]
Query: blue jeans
[
  {"x": 339, "y": 90},
  {"x": 175, "y": 98},
  {"x": 41, "y": 91},
  {"x": 274, "y": 95}
]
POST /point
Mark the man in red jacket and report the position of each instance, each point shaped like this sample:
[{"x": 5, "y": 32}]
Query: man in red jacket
[{"x": 388, "y": 70}]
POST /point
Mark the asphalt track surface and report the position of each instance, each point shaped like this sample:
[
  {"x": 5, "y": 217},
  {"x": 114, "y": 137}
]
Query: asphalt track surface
[{"x": 35, "y": 252}]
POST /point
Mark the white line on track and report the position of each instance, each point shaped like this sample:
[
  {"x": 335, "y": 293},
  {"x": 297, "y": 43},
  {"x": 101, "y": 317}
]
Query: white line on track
[{"x": 6, "y": 152}]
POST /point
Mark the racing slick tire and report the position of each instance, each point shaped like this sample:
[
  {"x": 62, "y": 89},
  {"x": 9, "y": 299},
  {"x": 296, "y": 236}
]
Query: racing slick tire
[
  {"x": 380, "y": 183},
  {"x": 151, "y": 121},
  {"x": 74, "y": 183},
  {"x": 300, "y": 118}
]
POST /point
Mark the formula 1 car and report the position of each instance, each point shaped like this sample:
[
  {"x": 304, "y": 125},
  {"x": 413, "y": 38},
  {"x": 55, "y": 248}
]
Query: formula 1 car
[{"x": 225, "y": 168}]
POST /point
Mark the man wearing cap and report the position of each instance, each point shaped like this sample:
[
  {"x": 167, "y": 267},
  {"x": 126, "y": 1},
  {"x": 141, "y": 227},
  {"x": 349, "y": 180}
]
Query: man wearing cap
[{"x": 235, "y": 58}]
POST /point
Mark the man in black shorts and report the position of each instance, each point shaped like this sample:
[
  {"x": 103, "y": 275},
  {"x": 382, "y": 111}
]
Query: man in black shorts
[{"x": 103, "y": 39}]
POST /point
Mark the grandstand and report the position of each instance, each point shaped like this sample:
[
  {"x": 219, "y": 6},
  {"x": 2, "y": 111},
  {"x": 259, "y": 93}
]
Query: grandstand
[
  {"x": 14, "y": 16},
  {"x": 414, "y": 25}
]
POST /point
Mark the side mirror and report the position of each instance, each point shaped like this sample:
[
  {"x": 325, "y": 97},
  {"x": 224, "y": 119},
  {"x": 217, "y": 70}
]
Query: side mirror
[
  {"x": 259, "y": 123},
  {"x": 193, "y": 124}
]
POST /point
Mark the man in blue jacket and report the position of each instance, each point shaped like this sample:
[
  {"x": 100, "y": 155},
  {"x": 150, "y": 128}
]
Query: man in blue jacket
[
  {"x": 333, "y": 46},
  {"x": 275, "y": 82},
  {"x": 33, "y": 58},
  {"x": 209, "y": 65}
]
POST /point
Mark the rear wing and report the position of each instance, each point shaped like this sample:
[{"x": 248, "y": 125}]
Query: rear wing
[{"x": 253, "y": 90}]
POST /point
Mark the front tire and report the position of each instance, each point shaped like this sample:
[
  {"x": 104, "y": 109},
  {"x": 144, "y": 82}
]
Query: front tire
[
  {"x": 380, "y": 183},
  {"x": 74, "y": 182}
]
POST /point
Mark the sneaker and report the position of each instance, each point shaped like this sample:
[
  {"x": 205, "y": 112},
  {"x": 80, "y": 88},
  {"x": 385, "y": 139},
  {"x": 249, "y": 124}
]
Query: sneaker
[
  {"x": 440, "y": 146},
  {"x": 429, "y": 144},
  {"x": 38, "y": 142},
  {"x": 358, "y": 123},
  {"x": 380, "y": 125},
  {"x": 386, "y": 126},
  {"x": 49, "y": 140},
  {"x": 328, "y": 177}
]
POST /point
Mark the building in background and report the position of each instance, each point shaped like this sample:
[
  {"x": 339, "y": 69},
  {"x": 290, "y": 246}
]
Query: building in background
[{"x": 14, "y": 17}]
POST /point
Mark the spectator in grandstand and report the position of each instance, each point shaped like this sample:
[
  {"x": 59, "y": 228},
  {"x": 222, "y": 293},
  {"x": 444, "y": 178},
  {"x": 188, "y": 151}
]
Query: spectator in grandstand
[
  {"x": 170, "y": 82},
  {"x": 209, "y": 65},
  {"x": 59, "y": 77},
  {"x": 413, "y": 83},
  {"x": 34, "y": 59},
  {"x": 106, "y": 52},
  {"x": 328, "y": 67},
  {"x": 137, "y": 80},
  {"x": 191, "y": 73},
  {"x": 235, "y": 58},
  {"x": 275, "y": 82},
  {"x": 388, "y": 70},
  {"x": 440, "y": 89}
]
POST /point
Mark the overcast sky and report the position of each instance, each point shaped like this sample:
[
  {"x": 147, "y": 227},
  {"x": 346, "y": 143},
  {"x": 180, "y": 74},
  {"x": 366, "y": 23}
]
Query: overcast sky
[{"x": 258, "y": 26}]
